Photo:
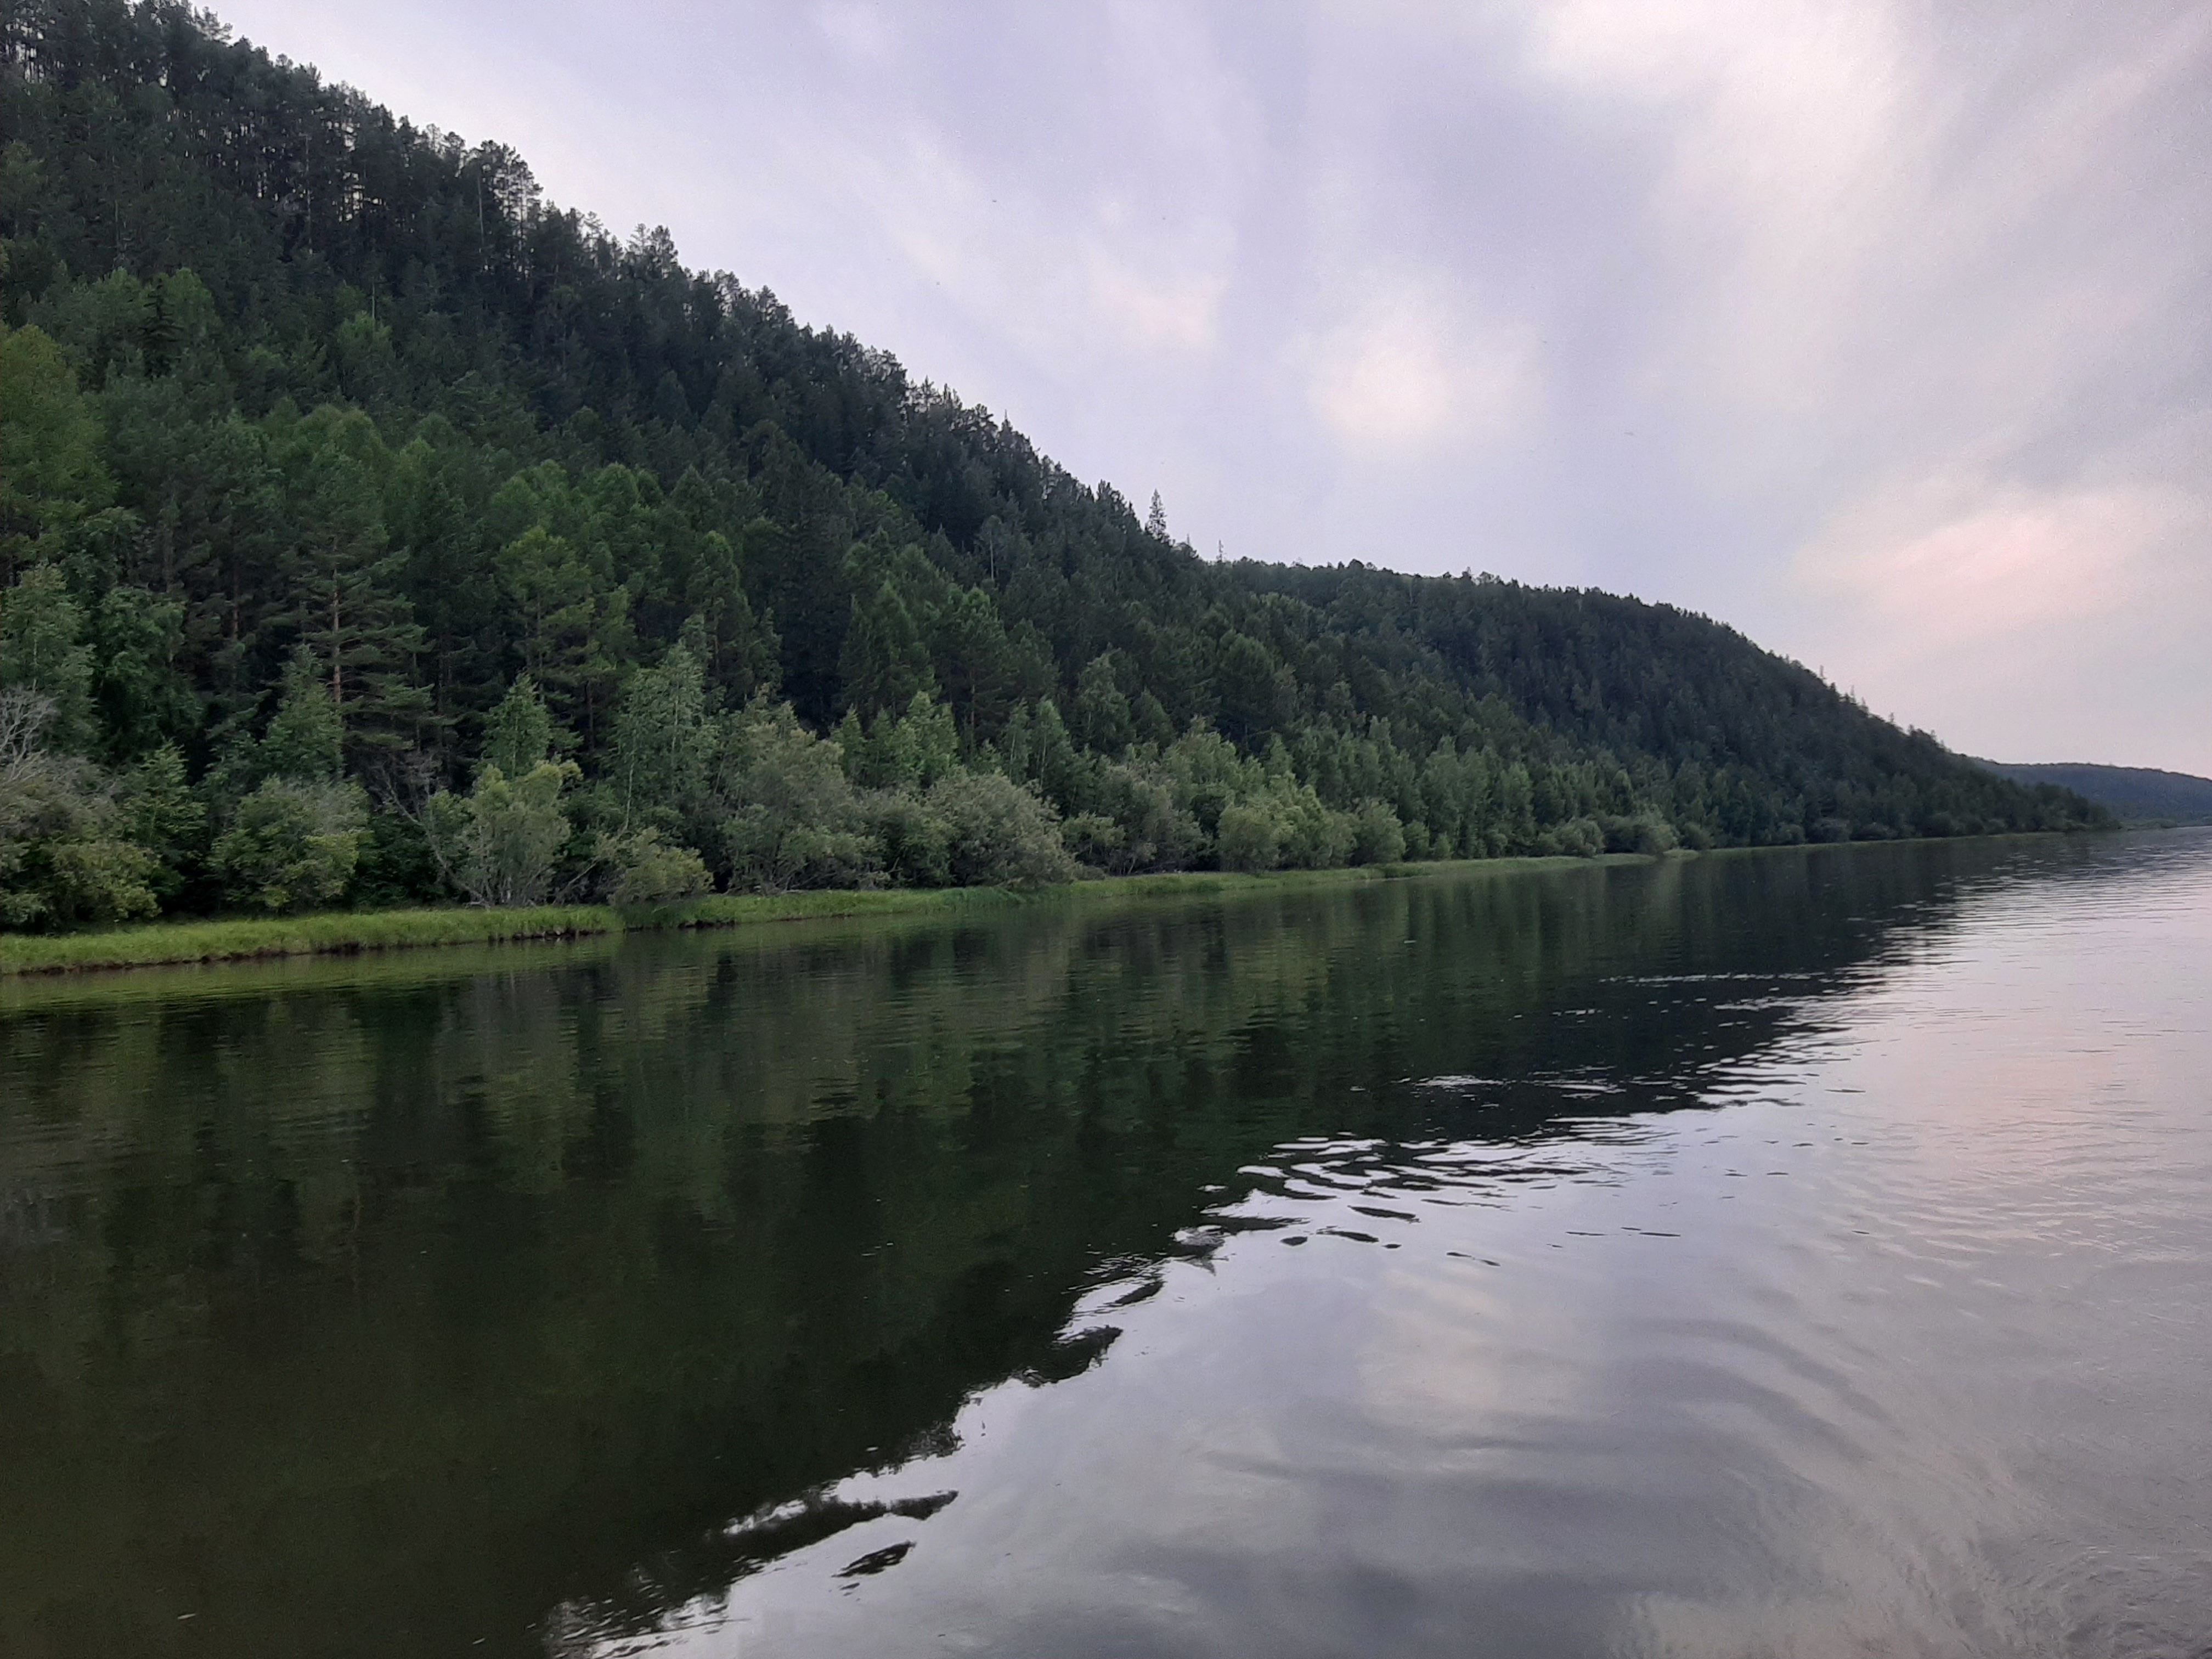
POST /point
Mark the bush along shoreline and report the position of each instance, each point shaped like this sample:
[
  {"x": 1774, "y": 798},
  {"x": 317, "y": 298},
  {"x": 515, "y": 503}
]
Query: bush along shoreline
[{"x": 692, "y": 805}]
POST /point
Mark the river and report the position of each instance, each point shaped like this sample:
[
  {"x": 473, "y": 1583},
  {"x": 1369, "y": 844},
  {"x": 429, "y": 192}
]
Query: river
[{"x": 1798, "y": 1253}]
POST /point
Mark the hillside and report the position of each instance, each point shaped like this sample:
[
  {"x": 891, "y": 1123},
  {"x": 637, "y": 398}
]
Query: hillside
[
  {"x": 372, "y": 529},
  {"x": 2133, "y": 794}
]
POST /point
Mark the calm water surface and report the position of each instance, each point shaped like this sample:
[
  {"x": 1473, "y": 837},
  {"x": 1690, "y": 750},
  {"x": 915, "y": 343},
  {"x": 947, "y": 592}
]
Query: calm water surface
[{"x": 1796, "y": 1254}]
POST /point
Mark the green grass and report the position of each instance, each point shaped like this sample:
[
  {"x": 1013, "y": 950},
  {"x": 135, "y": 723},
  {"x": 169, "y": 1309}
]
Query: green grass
[{"x": 345, "y": 933}]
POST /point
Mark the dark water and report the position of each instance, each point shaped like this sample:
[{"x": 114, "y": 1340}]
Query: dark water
[{"x": 1805, "y": 1253}]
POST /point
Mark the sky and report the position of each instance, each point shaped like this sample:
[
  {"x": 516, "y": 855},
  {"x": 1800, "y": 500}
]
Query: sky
[{"x": 1880, "y": 329}]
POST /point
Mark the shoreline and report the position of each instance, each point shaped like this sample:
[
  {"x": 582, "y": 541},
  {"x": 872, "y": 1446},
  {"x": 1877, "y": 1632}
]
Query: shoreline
[{"x": 358, "y": 932}]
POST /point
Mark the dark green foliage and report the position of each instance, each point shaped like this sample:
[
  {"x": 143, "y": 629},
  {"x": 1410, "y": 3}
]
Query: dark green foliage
[{"x": 332, "y": 457}]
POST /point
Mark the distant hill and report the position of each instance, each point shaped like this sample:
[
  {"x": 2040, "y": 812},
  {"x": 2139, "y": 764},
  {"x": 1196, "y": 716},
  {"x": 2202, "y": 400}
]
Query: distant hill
[
  {"x": 342, "y": 469},
  {"x": 2134, "y": 794}
]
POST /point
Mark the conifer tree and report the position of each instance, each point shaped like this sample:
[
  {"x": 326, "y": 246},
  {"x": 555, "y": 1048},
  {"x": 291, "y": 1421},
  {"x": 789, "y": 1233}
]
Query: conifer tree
[
  {"x": 885, "y": 661},
  {"x": 304, "y": 741},
  {"x": 344, "y": 581}
]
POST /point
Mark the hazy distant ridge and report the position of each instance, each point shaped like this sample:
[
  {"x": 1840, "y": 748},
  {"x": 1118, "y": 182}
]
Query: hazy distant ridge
[{"x": 2132, "y": 793}]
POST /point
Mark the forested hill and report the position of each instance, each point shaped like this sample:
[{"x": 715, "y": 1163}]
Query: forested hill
[
  {"x": 371, "y": 529},
  {"x": 2134, "y": 794}
]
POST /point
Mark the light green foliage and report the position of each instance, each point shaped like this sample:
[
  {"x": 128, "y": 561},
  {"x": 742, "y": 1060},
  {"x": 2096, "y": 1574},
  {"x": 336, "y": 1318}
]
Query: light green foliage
[
  {"x": 51, "y": 473},
  {"x": 1248, "y": 839},
  {"x": 41, "y": 651},
  {"x": 1153, "y": 825},
  {"x": 997, "y": 834},
  {"x": 519, "y": 733},
  {"x": 1285, "y": 823},
  {"x": 1314, "y": 836},
  {"x": 292, "y": 844},
  {"x": 663, "y": 745},
  {"x": 792, "y": 816},
  {"x": 500, "y": 844},
  {"x": 1378, "y": 836},
  {"x": 910, "y": 749},
  {"x": 913, "y": 842},
  {"x": 1095, "y": 841},
  {"x": 648, "y": 871},
  {"x": 160, "y": 813},
  {"x": 1055, "y": 766},
  {"x": 63, "y": 856},
  {"x": 99, "y": 878},
  {"x": 303, "y": 742},
  {"x": 1103, "y": 716},
  {"x": 1579, "y": 838},
  {"x": 1642, "y": 833}
]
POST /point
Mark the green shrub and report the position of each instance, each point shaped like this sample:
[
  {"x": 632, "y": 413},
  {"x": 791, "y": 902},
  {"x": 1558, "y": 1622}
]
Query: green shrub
[
  {"x": 499, "y": 844},
  {"x": 1247, "y": 839},
  {"x": 997, "y": 833},
  {"x": 60, "y": 858},
  {"x": 793, "y": 818},
  {"x": 293, "y": 845},
  {"x": 1578, "y": 838},
  {"x": 1378, "y": 837},
  {"x": 648, "y": 871}
]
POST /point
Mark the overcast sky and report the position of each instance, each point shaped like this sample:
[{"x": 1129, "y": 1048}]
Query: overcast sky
[{"x": 1877, "y": 330}]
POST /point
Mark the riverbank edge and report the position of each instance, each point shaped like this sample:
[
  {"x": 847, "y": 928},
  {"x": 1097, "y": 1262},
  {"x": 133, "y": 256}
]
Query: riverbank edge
[{"x": 353, "y": 932}]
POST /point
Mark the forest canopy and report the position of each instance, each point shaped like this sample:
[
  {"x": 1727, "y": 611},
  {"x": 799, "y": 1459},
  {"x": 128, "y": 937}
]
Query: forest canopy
[{"x": 372, "y": 531}]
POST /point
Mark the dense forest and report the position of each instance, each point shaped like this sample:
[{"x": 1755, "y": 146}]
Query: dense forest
[{"x": 373, "y": 531}]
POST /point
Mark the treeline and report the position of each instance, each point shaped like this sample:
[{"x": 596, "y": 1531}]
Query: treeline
[{"x": 372, "y": 531}]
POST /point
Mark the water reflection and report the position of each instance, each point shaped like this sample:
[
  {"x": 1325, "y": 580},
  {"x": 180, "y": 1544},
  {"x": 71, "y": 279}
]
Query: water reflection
[{"x": 550, "y": 1298}]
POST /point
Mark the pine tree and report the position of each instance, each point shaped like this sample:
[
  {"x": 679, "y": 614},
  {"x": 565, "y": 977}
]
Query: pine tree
[
  {"x": 305, "y": 740},
  {"x": 885, "y": 661},
  {"x": 344, "y": 582},
  {"x": 573, "y": 633}
]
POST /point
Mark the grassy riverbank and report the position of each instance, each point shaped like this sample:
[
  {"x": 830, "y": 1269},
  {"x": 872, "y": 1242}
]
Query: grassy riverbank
[
  {"x": 353, "y": 932},
  {"x": 345, "y": 933},
  {"x": 162, "y": 944}
]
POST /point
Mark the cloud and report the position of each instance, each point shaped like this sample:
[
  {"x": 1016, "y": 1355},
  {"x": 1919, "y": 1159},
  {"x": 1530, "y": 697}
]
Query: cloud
[
  {"x": 1153, "y": 310},
  {"x": 2018, "y": 613},
  {"x": 1952, "y": 561},
  {"x": 1406, "y": 369},
  {"x": 862, "y": 31}
]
